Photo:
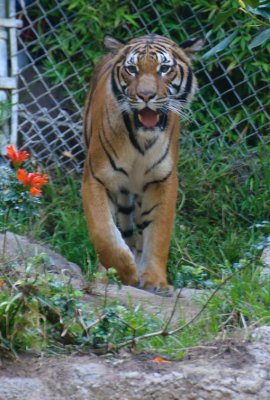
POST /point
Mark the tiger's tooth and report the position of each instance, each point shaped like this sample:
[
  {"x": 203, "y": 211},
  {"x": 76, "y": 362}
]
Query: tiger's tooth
[
  {"x": 157, "y": 117},
  {"x": 140, "y": 118}
]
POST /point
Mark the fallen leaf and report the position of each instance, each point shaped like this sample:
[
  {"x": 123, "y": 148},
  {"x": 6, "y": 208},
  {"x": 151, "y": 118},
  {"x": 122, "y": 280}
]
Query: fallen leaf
[{"x": 161, "y": 360}]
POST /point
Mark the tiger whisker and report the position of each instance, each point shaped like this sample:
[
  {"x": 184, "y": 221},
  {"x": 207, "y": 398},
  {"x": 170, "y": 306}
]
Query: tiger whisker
[{"x": 177, "y": 107}]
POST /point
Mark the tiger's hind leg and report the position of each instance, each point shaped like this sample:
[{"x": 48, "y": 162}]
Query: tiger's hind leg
[
  {"x": 139, "y": 232},
  {"x": 125, "y": 217}
]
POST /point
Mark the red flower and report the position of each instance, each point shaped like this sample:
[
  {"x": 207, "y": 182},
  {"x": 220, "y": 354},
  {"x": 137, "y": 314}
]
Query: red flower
[
  {"x": 32, "y": 180},
  {"x": 16, "y": 157},
  {"x": 35, "y": 191}
]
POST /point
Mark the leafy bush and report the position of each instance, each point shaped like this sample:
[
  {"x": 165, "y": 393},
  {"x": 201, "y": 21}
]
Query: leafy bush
[
  {"x": 233, "y": 71},
  {"x": 41, "y": 311}
]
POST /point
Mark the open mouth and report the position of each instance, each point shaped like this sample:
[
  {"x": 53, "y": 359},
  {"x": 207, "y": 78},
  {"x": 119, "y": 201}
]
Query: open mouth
[{"x": 148, "y": 118}]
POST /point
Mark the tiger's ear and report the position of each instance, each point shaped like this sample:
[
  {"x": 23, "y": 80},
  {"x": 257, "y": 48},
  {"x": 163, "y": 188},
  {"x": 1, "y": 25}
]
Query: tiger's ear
[
  {"x": 191, "y": 47},
  {"x": 112, "y": 44}
]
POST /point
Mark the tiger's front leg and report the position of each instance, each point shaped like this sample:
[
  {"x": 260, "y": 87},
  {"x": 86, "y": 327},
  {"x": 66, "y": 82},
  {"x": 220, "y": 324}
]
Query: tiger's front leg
[
  {"x": 107, "y": 240},
  {"x": 156, "y": 224}
]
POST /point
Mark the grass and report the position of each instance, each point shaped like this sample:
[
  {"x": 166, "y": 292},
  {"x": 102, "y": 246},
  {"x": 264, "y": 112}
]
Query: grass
[
  {"x": 221, "y": 227},
  {"x": 223, "y": 198},
  {"x": 63, "y": 224}
]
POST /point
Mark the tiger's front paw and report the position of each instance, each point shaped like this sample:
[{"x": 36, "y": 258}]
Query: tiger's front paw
[
  {"x": 126, "y": 268},
  {"x": 155, "y": 281}
]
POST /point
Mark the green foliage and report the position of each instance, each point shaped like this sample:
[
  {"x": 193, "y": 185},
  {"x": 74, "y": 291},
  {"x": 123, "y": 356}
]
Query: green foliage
[
  {"x": 17, "y": 206},
  {"x": 234, "y": 64},
  {"x": 5, "y": 111},
  {"x": 224, "y": 196},
  {"x": 35, "y": 308},
  {"x": 39, "y": 311},
  {"x": 244, "y": 301},
  {"x": 63, "y": 224}
]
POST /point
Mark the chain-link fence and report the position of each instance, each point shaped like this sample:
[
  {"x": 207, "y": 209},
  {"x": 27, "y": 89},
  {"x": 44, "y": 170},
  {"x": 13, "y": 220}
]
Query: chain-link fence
[{"x": 230, "y": 108}]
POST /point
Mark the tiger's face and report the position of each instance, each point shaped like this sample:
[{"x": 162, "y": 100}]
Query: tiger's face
[{"x": 152, "y": 77}]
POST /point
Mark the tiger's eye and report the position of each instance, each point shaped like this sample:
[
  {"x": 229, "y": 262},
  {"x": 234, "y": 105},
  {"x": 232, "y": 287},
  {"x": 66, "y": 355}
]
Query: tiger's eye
[
  {"x": 164, "y": 68},
  {"x": 131, "y": 69}
]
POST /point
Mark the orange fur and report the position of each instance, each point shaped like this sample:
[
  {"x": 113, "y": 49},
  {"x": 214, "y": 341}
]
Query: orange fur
[{"x": 130, "y": 175}]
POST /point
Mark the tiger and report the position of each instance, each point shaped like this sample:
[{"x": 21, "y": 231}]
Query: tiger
[{"x": 131, "y": 122}]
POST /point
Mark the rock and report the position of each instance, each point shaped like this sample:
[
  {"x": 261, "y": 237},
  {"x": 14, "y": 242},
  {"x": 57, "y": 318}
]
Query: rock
[
  {"x": 22, "y": 388},
  {"x": 22, "y": 248},
  {"x": 265, "y": 258},
  {"x": 187, "y": 305}
]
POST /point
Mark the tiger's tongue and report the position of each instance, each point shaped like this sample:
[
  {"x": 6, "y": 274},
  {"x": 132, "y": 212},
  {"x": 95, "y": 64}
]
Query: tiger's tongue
[{"x": 148, "y": 118}]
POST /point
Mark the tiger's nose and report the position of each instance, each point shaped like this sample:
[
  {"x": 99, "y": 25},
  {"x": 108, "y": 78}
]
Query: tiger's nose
[{"x": 146, "y": 95}]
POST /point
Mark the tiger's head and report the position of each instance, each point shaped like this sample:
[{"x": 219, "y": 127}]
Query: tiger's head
[{"x": 152, "y": 76}]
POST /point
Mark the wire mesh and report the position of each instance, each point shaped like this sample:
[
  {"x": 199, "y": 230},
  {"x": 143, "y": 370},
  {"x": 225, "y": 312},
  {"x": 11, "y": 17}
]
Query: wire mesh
[{"x": 50, "y": 109}]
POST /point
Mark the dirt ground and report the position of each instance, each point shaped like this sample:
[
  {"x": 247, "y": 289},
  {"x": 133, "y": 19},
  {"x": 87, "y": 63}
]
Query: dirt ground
[{"x": 228, "y": 353}]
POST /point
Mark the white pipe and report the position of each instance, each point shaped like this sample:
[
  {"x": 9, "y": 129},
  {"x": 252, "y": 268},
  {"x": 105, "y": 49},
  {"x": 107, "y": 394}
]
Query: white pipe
[
  {"x": 4, "y": 131},
  {"x": 14, "y": 73}
]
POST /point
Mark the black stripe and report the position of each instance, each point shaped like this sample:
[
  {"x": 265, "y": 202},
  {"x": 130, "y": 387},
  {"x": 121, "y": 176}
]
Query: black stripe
[
  {"x": 182, "y": 77},
  {"x": 124, "y": 191},
  {"x": 86, "y": 120},
  {"x": 94, "y": 176},
  {"x": 131, "y": 135},
  {"x": 118, "y": 94},
  {"x": 160, "y": 48},
  {"x": 108, "y": 142},
  {"x": 128, "y": 233},
  {"x": 110, "y": 195},
  {"x": 144, "y": 225},
  {"x": 126, "y": 118},
  {"x": 86, "y": 136},
  {"x": 150, "y": 210},
  {"x": 174, "y": 76},
  {"x": 113, "y": 165},
  {"x": 125, "y": 209},
  {"x": 188, "y": 86},
  {"x": 162, "y": 158},
  {"x": 150, "y": 143},
  {"x": 156, "y": 182},
  {"x": 119, "y": 80},
  {"x": 182, "y": 73},
  {"x": 109, "y": 121},
  {"x": 163, "y": 121},
  {"x": 161, "y": 52},
  {"x": 176, "y": 87},
  {"x": 139, "y": 203}
]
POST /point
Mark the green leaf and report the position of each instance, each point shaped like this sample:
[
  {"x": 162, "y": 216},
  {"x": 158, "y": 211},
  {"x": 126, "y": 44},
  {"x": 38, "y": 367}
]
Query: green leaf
[
  {"x": 219, "y": 47},
  {"x": 222, "y": 17},
  {"x": 252, "y": 3},
  {"x": 263, "y": 10},
  {"x": 260, "y": 39}
]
